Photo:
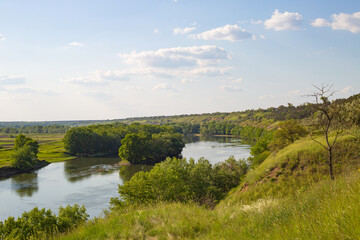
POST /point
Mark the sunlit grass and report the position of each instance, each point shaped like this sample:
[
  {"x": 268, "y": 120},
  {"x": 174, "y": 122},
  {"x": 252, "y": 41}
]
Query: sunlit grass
[
  {"x": 327, "y": 210},
  {"x": 51, "y": 148}
]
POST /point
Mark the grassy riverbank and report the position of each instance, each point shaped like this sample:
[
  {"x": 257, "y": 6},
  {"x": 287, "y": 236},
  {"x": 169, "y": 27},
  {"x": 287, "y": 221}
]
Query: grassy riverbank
[
  {"x": 51, "y": 148},
  {"x": 327, "y": 210}
]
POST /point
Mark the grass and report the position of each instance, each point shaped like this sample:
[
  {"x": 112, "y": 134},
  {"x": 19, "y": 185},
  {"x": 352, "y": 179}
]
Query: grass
[
  {"x": 327, "y": 210},
  {"x": 51, "y": 148},
  {"x": 297, "y": 166}
]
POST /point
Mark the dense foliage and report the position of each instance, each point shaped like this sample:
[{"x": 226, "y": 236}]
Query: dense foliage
[
  {"x": 25, "y": 152},
  {"x": 35, "y": 129},
  {"x": 142, "y": 148},
  {"x": 179, "y": 180},
  {"x": 42, "y": 224},
  {"x": 136, "y": 143}
]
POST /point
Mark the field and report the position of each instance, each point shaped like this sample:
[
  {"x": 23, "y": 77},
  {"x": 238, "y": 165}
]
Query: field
[{"x": 51, "y": 148}]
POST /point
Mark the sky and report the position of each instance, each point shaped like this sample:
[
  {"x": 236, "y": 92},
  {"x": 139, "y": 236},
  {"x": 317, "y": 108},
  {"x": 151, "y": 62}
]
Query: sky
[{"x": 111, "y": 59}]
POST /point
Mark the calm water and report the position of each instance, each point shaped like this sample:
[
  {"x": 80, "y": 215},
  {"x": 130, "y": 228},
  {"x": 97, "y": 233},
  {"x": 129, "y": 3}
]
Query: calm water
[{"x": 93, "y": 181}]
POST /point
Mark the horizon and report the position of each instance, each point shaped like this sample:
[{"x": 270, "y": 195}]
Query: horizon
[{"x": 130, "y": 59}]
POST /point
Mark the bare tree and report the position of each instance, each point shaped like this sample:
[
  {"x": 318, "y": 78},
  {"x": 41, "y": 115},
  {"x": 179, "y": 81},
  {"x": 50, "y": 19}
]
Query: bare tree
[{"x": 328, "y": 119}]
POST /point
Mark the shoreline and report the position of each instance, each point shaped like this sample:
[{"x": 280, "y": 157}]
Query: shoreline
[{"x": 6, "y": 172}]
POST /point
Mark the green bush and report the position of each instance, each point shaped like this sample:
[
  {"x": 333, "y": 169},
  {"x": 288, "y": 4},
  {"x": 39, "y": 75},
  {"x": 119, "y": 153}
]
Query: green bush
[
  {"x": 179, "y": 180},
  {"x": 42, "y": 224},
  {"x": 24, "y": 158}
]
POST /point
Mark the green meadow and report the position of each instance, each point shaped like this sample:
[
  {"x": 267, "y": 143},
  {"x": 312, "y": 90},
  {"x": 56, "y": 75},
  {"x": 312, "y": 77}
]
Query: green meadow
[{"x": 51, "y": 148}]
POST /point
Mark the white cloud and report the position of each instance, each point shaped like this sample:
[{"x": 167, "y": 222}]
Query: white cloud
[
  {"x": 156, "y": 31},
  {"x": 347, "y": 89},
  {"x": 341, "y": 21},
  {"x": 163, "y": 86},
  {"x": 320, "y": 22},
  {"x": 186, "y": 80},
  {"x": 2, "y": 37},
  {"x": 6, "y": 79},
  {"x": 349, "y": 22},
  {"x": 256, "y": 22},
  {"x": 228, "y": 32},
  {"x": 74, "y": 44},
  {"x": 238, "y": 80},
  {"x": 284, "y": 21},
  {"x": 209, "y": 71},
  {"x": 124, "y": 75},
  {"x": 231, "y": 88},
  {"x": 183, "y": 31},
  {"x": 28, "y": 90},
  {"x": 177, "y": 57},
  {"x": 87, "y": 80}
]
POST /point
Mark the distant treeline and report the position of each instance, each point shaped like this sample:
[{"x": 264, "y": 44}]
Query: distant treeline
[
  {"x": 35, "y": 129},
  {"x": 137, "y": 143}
]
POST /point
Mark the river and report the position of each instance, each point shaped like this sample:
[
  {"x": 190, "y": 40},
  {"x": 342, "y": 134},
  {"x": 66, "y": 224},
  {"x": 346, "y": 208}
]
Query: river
[{"x": 93, "y": 181}]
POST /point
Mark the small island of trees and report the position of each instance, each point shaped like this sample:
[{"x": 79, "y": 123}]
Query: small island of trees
[{"x": 145, "y": 144}]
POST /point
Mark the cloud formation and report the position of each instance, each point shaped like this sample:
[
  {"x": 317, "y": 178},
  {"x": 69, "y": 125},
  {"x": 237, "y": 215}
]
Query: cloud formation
[
  {"x": 2, "y": 37},
  {"x": 28, "y": 90},
  {"x": 75, "y": 44},
  {"x": 163, "y": 86},
  {"x": 183, "y": 31},
  {"x": 341, "y": 21},
  {"x": 177, "y": 57},
  {"x": 284, "y": 21},
  {"x": 231, "y": 88},
  {"x": 6, "y": 79},
  {"x": 228, "y": 32},
  {"x": 86, "y": 80},
  {"x": 320, "y": 22}
]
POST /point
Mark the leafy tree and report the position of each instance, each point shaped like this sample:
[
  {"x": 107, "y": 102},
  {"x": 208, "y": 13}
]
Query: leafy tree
[
  {"x": 71, "y": 217},
  {"x": 23, "y": 141},
  {"x": 24, "y": 158},
  {"x": 288, "y": 132},
  {"x": 25, "y": 152},
  {"x": 134, "y": 148},
  {"x": 260, "y": 150}
]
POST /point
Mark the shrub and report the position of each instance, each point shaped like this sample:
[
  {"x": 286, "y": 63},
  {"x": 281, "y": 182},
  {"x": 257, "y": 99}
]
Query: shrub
[
  {"x": 24, "y": 158},
  {"x": 42, "y": 224},
  {"x": 179, "y": 180}
]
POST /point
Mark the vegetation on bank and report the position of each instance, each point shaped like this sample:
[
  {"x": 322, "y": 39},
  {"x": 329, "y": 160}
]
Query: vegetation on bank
[
  {"x": 146, "y": 144},
  {"x": 326, "y": 210},
  {"x": 51, "y": 148},
  {"x": 43, "y": 224},
  {"x": 179, "y": 180}
]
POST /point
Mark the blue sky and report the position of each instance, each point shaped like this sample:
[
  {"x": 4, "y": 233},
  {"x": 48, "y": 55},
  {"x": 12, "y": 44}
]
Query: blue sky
[{"x": 72, "y": 60}]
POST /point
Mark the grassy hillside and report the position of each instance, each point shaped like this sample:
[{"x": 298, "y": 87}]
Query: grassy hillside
[
  {"x": 327, "y": 210},
  {"x": 297, "y": 166}
]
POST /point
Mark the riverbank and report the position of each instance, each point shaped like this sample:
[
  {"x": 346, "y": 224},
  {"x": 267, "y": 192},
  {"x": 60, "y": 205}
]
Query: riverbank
[{"x": 6, "y": 172}]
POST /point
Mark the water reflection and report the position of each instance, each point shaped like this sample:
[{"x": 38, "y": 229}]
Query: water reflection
[
  {"x": 82, "y": 168},
  {"x": 25, "y": 185},
  {"x": 127, "y": 171}
]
